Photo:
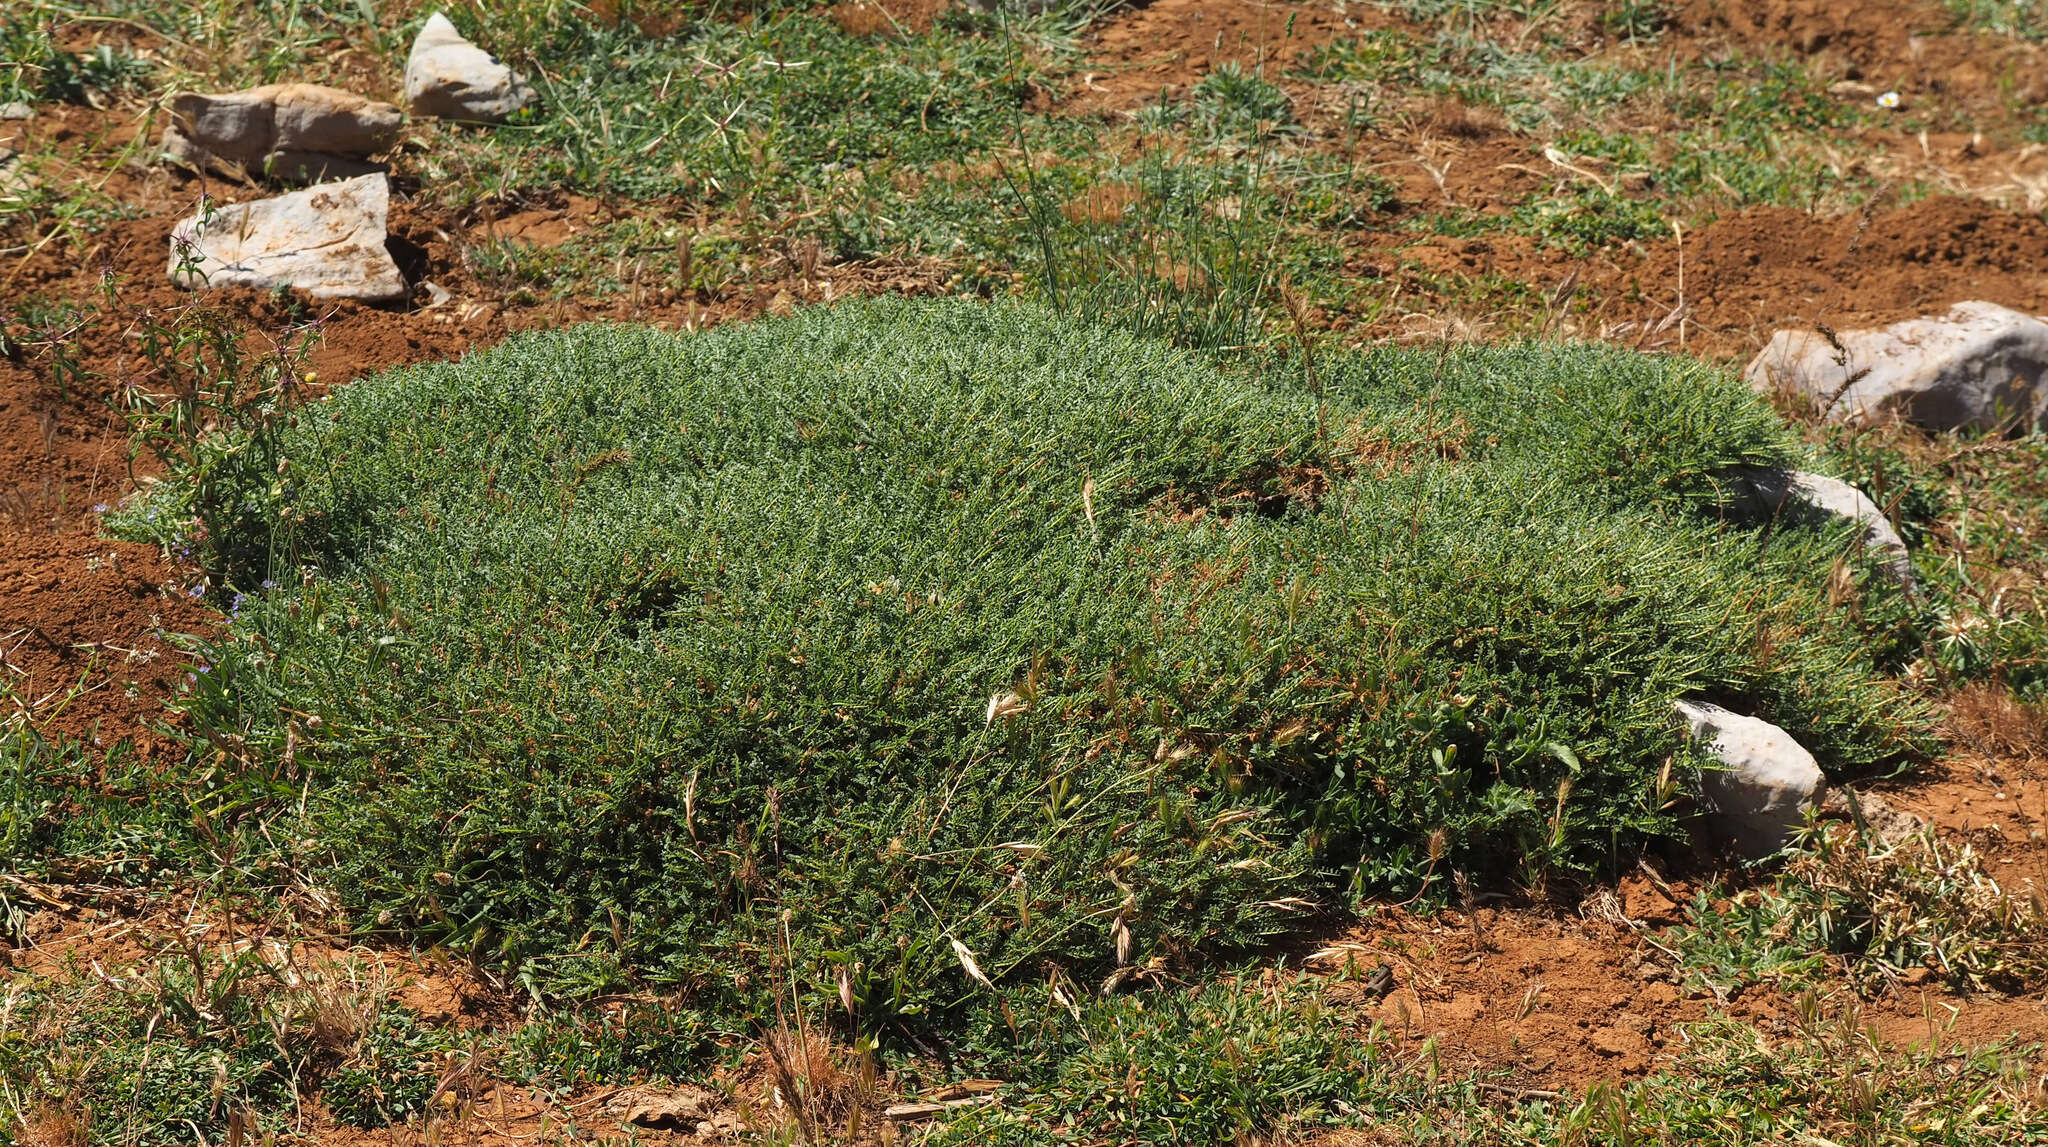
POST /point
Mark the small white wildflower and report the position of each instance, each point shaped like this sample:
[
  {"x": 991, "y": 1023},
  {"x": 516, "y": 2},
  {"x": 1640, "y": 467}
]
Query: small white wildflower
[{"x": 1889, "y": 100}]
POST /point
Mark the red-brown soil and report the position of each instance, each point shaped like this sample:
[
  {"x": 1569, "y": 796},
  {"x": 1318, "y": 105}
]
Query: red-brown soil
[
  {"x": 1161, "y": 49},
  {"x": 1718, "y": 291},
  {"x": 1562, "y": 1000},
  {"x": 1752, "y": 272}
]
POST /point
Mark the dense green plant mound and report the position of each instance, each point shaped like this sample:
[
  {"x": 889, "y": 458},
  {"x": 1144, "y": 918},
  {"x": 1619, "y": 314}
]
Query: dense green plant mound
[{"x": 899, "y": 643}]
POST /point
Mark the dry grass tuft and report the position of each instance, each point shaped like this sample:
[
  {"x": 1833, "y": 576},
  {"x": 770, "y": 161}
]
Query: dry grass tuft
[
  {"x": 1921, "y": 902},
  {"x": 1102, "y": 203},
  {"x": 1455, "y": 118},
  {"x": 1989, "y": 717},
  {"x": 821, "y": 1089}
]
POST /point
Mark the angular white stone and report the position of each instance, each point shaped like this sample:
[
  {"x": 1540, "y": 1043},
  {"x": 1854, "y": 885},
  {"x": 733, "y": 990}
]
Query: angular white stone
[
  {"x": 327, "y": 240},
  {"x": 15, "y": 181},
  {"x": 297, "y": 132},
  {"x": 1764, "y": 492},
  {"x": 1981, "y": 366},
  {"x": 16, "y": 110},
  {"x": 1768, "y": 783},
  {"x": 449, "y": 77}
]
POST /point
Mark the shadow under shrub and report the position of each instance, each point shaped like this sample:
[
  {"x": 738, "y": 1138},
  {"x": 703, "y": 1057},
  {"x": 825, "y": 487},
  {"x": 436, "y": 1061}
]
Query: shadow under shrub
[{"x": 621, "y": 656}]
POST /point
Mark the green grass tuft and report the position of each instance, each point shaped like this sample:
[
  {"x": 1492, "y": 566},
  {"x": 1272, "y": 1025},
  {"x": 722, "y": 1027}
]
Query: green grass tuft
[{"x": 609, "y": 652}]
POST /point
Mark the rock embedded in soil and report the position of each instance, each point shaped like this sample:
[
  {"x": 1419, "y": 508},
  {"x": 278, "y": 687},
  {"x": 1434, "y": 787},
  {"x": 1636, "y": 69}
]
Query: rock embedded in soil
[
  {"x": 450, "y": 78},
  {"x": 1763, "y": 492},
  {"x": 1767, "y": 783},
  {"x": 14, "y": 179},
  {"x": 327, "y": 240},
  {"x": 16, "y": 110},
  {"x": 299, "y": 133},
  {"x": 1981, "y": 367}
]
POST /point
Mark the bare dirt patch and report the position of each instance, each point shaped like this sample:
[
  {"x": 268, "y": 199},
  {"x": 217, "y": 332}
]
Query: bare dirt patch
[
  {"x": 1755, "y": 271},
  {"x": 1163, "y": 48}
]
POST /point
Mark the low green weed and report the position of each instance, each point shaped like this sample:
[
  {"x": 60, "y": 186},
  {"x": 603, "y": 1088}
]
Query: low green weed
[
  {"x": 1175, "y": 251},
  {"x": 1226, "y": 1062},
  {"x": 204, "y": 1043},
  {"x": 33, "y": 69},
  {"x": 167, "y": 1053},
  {"x": 68, "y": 813},
  {"x": 1972, "y": 506},
  {"x": 395, "y": 1070},
  {"x": 2023, "y": 19},
  {"x": 1240, "y": 103},
  {"x": 659, "y": 1038},
  {"x": 1582, "y": 220},
  {"x": 1883, "y": 909},
  {"x": 1635, "y": 20},
  {"x": 1832, "y": 1081}
]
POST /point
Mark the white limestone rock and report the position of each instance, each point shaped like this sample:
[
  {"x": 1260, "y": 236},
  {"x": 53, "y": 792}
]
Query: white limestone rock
[
  {"x": 1767, "y": 784},
  {"x": 1981, "y": 366},
  {"x": 15, "y": 180},
  {"x": 293, "y": 132},
  {"x": 1763, "y": 492},
  {"x": 450, "y": 78},
  {"x": 327, "y": 240}
]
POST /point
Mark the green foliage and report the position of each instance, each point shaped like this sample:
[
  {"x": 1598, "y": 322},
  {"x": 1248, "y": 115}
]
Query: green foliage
[
  {"x": 1223, "y": 1063},
  {"x": 1884, "y": 908},
  {"x": 1241, "y": 103},
  {"x": 68, "y": 813},
  {"x": 33, "y": 69},
  {"x": 2024, "y": 19},
  {"x": 950, "y": 622},
  {"x": 1833, "y": 1082},
  {"x": 1635, "y": 19},
  {"x": 163, "y": 1056},
  {"x": 572, "y": 1048},
  {"x": 393, "y": 1073}
]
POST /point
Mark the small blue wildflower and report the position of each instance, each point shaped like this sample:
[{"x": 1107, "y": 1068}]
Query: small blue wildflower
[
  {"x": 196, "y": 592},
  {"x": 99, "y": 508},
  {"x": 268, "y": 584},
  {"x": 235, "y": 606}
]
